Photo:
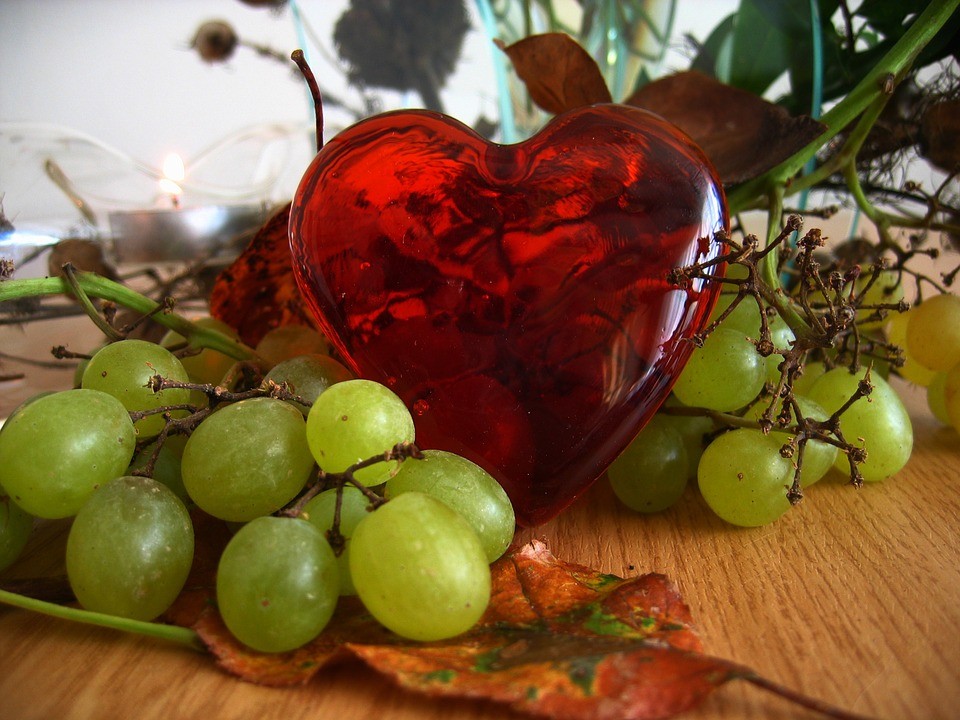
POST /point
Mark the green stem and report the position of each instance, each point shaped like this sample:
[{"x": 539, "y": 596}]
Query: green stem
[
  {"x": 173, "y": 633},
  {"x": 895, "y": 62},
  {"x": 70, "y": 277},
  {"x": 97, "y": 286}
]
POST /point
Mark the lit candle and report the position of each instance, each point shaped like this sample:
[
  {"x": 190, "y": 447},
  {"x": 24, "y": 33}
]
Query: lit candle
[{"x": 173, "y": 174}]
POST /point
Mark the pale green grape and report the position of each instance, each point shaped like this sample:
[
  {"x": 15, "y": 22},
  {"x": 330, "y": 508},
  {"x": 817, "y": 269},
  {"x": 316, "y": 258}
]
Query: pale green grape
[
  {"x": 308, "y": 376},
  {"x": 166, "y": 469},
  {"x": 818, "y": 456},
  {"x": 355, "y": 420},
  {"x": 811, "y": 372},
  {"x": 895, "y": 329},
  {"x": 16, "y": 524},
  {"x": 277, "y": 584},
  {"x": 59, "y": 448},
  {"x": 951, "y": 396},
  {"x": 744, "y": 479},
  {"x": 937, "y": 398},
  {"x": 693, "y": 429},
  {"x": 289, "y": 341},
  {"x": 247, "y": 459},
  {"x": 651, "y": 474},
  {"x": 782, "y": 337},
  {"x": 725, "y": 374},
  {"x": 882, "y": 423},
  {"x": 206, "y": 366},
  {"x": 745, "y": 318},
  {"x": 467, "y": 488},
  {"x": 419, "y": 568},
  {"x": 885, "y": 290},
  {"x": 933, "y": 332},
  {"x": 124, "y": 368},
  {"x": 319, "y": 511},
  {"x": 130, "y": 549}
]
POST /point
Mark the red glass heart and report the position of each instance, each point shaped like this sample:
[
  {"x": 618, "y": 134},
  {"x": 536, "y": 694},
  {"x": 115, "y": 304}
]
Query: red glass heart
[{"x": 515, "y": 296}]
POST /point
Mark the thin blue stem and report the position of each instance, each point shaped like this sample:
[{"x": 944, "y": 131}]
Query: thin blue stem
[{"x": 508, "y": 127}]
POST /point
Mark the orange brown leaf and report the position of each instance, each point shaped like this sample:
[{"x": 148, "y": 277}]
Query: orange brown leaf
[
  {"x": 257, "y": 292},
  {"x": 558, "y": 640},
  {"x": 559, "y": 74},
  {"x": 741, "y": 133}
]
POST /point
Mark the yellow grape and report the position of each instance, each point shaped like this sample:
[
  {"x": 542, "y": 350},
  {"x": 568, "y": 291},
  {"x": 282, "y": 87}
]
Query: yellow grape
[
  {"x": 951, "y": 396},
  {"x": 933, "y": 333},
  {"x": 896, "y": 332}
]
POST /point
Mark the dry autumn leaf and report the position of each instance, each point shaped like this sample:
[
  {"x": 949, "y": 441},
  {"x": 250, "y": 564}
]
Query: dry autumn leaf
[
  {"x": 559, "y": 74},
  {"x": 741, "y": 133},
  {"x": 258, "y": 292},
  {"x": 558, "y": 640}
]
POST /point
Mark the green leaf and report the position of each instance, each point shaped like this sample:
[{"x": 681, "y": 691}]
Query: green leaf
[
  {"x": 717, "y": 45},
  {"x": 764, "y": 31}
]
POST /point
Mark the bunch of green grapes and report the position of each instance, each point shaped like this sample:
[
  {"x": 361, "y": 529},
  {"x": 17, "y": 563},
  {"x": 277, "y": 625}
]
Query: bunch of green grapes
[
  {"x": 413, "y": 540},
  {"x": 711, "y": 428}
]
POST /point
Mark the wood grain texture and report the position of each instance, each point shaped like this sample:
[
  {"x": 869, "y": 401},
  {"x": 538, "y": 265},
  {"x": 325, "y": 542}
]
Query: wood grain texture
[{"x": 851, "y": 598}]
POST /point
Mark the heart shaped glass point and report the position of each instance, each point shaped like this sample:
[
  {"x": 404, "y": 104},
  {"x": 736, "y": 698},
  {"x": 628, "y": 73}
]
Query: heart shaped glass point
[{"x": 515, "y": 296}]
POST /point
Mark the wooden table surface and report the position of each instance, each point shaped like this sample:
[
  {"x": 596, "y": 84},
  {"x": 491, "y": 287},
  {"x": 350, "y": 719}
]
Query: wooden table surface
[{"x": 851, "y": 598}]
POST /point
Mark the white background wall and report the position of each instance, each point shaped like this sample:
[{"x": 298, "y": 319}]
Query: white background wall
[{"x": 122, "y": 70}]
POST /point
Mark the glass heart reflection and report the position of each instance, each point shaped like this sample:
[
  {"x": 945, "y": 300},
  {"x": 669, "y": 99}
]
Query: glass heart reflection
[{"x": 515, "y": 296}]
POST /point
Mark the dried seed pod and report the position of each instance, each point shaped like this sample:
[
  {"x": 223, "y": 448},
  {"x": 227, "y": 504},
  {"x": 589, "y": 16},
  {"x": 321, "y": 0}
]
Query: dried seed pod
[{"x": 215, "y": 41}]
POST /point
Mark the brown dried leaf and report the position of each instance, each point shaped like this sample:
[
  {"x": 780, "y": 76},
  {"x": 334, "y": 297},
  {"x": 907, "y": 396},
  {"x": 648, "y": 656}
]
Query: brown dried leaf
[
  {"x": 83, "y": 254},
  {"x": 741, "y": 133},
  {"x": 258, "y": 292},
  {"x": 558, "y": 640},
  {"x": 559, "y": 74},
  {"x": 940, "y": 135}
]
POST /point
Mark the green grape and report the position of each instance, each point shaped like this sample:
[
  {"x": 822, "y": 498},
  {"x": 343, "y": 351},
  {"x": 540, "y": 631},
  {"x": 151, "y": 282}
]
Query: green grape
[
  {"x": 693, "y": 429},
  {"x": 744, "y": 479},
  {"x": 419, "y": 568},
  {"x": 782, "y": 337},
  {"x": 885, "y": 290},
  {"x": 58, "y": 449},
  {"x": 289, "y": 341},
  {"x": 206, "y": 366},
  {"x": 725, "y": 374},
  {"x": 818, "y": 456},
  {"x": 247, "y": 459},
  {"x": 937, "y": 398},
  {"x": 277, "y": 584},
  {"x": 467, "y": 488},
  {"x": 130, "y": 549},
  {"x": 933, "y": 332},
  {"x": 882, "y": 423},
  {"x": 355, "y": 420},
  {"x": 811, "y": 372},
  {"x": 319, "y": 511},
  {"x": 124, "y": 368},
  {"x": 26, "y": 402},
  {"x": 951, "y": 396},
  {"x": 308, "y": 376},
  {"x": 16, "y": 524},
  {"x": 651, "y": 474},
  {"x": 82, "y": 365},
  {"x": 166, "y": 469},
  {"x": 745, "y": 319},
  {"x": 896, "y": 331}
]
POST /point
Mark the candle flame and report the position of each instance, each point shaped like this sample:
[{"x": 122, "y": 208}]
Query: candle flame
[{"x": 173, "y": 174}]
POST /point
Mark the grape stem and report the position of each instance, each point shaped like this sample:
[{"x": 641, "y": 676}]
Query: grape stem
[
  {"x": 399, "y": 452},
  {"x": 173, "y": 633}
]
